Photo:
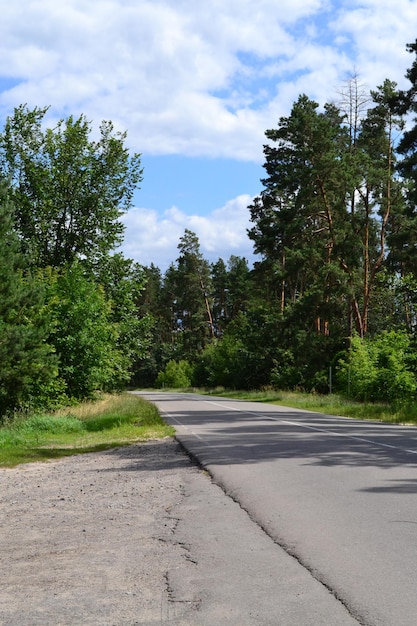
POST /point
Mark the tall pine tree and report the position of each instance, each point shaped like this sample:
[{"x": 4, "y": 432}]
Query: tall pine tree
[{"x": 27, "y": 365}]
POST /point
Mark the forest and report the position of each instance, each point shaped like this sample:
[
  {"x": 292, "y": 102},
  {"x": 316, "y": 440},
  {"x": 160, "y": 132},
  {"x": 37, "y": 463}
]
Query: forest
[{"x": 330, "y": 303}]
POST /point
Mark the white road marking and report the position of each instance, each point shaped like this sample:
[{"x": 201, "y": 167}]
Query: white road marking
[{"x": 315, "y": 428}]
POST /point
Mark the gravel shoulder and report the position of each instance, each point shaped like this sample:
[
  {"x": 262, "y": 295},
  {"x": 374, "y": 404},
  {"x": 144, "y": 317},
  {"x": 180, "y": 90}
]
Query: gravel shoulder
[
  {"x": 140, "y": 535},
  {"x": 84, "y": 540}
]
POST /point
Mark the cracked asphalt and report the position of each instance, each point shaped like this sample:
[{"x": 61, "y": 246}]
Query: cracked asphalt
[{"x": 141, "y": 535}]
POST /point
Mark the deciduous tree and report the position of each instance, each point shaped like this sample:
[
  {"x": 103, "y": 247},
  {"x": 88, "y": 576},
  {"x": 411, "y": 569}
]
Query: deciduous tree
[{"x": 69, "y": 190}]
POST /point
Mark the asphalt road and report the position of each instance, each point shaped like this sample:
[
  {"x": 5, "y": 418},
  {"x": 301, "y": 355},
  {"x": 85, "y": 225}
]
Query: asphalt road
[{"x": 337, "y": 494}]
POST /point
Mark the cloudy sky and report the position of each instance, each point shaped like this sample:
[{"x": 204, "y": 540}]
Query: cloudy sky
[{"x": 195, "y": 83}]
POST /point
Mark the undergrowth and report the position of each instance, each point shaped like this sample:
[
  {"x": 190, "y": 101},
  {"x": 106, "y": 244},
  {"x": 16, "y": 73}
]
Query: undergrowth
[{"x": 108, "y": 422}]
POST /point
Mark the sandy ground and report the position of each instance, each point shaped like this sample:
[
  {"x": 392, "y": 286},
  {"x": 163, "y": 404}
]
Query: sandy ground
[
  {"x": 140, "y": 535},
  {"x": 90, "y": 539}
]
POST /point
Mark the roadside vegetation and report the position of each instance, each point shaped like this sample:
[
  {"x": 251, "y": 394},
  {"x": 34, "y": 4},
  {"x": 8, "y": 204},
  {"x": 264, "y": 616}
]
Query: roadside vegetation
[
  {"x": 111, "y": 421},
  {"x": 330, "y": 305}
]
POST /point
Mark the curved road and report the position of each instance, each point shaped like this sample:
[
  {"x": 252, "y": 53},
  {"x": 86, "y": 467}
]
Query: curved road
[{"x": 339, "y": 495}]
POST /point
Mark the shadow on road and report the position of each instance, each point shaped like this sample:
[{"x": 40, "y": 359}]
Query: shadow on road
[{"x": 252, "y": 433}]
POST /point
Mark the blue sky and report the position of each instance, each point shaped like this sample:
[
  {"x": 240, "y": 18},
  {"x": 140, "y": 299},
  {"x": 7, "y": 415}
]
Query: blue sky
[{"x": 195, "y": 84}]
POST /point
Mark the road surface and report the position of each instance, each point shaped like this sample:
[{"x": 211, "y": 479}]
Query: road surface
[{"x": 337, "y": 494}]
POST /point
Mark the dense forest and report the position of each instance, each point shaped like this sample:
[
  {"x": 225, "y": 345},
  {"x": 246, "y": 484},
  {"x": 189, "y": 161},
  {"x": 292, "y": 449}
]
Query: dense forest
[{"x": 331, "y": 300}]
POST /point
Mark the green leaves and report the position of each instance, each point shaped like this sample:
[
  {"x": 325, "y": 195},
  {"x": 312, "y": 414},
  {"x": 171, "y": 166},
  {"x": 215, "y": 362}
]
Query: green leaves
[
  {"x": 84, "y": 338},
  {"x": 379, "y": 369},
  {"x": 69, "y": 190},
  {"x": 177, "y": 375},
  {"x": 74, "y": 329},
  {"x": 25, "y": 357},
  {"x": 186, "y": 292}
]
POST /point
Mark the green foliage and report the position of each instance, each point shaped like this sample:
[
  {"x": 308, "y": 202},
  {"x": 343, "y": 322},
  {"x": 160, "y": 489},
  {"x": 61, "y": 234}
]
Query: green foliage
[
  {"x": 301, "y": 371},
  {"x": 231, "y": 291},
  {"x": 26, "y": 359},
  {"x": 243, "y": 357},
  {"x": 83, "y": 335},
  {"x": 153, "y": 308},
  {"x": 395, "y": 364},
  {"x": 222, "y": 364},
  {"x": 123, "y": 282},
  {"x": 188, "y": 307},
  {"x": 69, "y": 190},
  {"x": 334, "y": 225},
  {"x": 177, "y": 374},
  {"x": 186, "y": 289},
  {"x": 90, "y": 426},
  {"x": 380, "y": 368},
  {"x": 50, "y": 394},
  {"x": 355, "y": 375}
]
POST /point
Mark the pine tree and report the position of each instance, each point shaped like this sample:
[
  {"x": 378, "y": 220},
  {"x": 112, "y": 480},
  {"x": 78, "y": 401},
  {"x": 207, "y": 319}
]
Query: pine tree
[
  {"x": 300, "y": 225},
  {"x": 403, "y": 225},
  {"x": 27, "y": 365},
  {"x": 187, "y": 288}
]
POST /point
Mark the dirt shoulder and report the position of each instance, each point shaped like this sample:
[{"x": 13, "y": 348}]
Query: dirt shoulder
[{"x": 89, "y": 539}]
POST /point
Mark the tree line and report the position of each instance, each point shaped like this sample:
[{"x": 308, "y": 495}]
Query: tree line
[
  {"x": 68, "y": 316},
  {"x": 335, "y": 229},
  {"x": 335, "y": 286}
]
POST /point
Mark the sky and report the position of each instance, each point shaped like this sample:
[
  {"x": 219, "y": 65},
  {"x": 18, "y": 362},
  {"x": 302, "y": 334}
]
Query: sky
[{"x": 195, "y": 83}]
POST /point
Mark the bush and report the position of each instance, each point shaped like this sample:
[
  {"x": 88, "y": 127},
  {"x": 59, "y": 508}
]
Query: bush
[
  {"x": 394, "y": 360},
  {"x": 379, "y": 369},
  {"x": 84, "y": 336},
  {"x": 357, "y": 373},
  {"x": 177, "y": 374}
]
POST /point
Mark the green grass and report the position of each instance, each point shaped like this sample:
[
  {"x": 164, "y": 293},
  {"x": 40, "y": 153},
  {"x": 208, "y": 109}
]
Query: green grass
[{"x": 109, "y": 422}]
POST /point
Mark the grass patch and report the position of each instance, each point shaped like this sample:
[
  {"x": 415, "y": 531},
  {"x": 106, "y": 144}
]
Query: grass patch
[{"x": 109, "y": 422}]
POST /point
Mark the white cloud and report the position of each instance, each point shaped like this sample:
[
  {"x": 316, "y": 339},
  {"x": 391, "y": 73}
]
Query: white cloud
[
  {"x": 152, "y": 238},
  {"x": 379, "y": 31},
  {"x": 195, "y": 78},
  {"x": 189, "y": 77}
]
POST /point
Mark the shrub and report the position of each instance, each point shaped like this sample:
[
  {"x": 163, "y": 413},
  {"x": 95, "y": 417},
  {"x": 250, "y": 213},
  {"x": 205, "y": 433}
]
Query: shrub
[
  {"x": 84, "y": 336},
  {"x": 177, "y": 374},
  {"x": 380, "y": 368},
  {"x": 357, "y": 373}
]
